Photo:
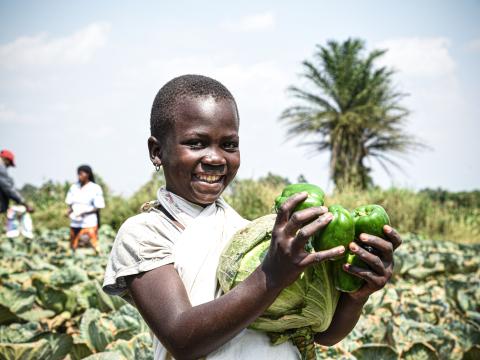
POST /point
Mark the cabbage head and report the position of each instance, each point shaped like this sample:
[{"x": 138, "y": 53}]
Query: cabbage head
[{"x": 302, "y": 309}]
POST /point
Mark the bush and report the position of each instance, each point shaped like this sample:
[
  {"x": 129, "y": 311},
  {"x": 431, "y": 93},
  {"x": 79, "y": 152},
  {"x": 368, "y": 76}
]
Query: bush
[
  {"x": 434, "y": 214},
  {"x": 253, "y": 199},
  {"x": 416, "y": 212}
]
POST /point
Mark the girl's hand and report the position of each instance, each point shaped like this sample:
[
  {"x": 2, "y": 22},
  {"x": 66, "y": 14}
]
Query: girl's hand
[
  {"x": 286, "y": 258},
  {"x": 381, "y": 265}
]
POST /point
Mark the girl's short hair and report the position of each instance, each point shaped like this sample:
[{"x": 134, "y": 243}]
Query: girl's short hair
[{"x": 165, "y": 104}]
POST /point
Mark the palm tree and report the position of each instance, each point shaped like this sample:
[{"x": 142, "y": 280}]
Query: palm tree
[{"x": 350, "y": 109}]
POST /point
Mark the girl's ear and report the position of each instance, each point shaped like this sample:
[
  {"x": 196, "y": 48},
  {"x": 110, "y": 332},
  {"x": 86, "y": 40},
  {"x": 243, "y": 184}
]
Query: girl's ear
[{"x": 155, "y": 151}]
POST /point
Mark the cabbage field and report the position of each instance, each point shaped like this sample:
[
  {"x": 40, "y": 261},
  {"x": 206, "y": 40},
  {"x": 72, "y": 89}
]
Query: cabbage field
[{"x": 52, "y": 305}]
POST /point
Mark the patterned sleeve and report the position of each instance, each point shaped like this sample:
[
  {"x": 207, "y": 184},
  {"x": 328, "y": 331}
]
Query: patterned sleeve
[{"x": 141, "y": 245}]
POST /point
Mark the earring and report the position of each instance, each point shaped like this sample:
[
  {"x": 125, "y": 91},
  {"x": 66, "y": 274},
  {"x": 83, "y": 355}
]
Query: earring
[{"x": 157, "y": 167}]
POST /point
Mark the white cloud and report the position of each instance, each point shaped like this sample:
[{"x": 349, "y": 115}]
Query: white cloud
[
  {"x": 441, "y": 115},
  {"x": 262, "y": 76},
  {"x": 428, "y": 57},
  {"x": 253, "y": 22},
  {"x": 42, "y": 49},
  {"x": 474, "y": 45},
  {"x": 7, "y": 115}
]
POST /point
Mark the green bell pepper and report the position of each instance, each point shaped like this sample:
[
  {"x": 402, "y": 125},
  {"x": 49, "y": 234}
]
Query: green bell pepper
[
  {"x": 344, "y": 281},
  {"x": 368, "y": 219},
  {"x": 315, "y": 198},
  {"x": 339, "y": 231},
  {"x": 315, "y": 195}
]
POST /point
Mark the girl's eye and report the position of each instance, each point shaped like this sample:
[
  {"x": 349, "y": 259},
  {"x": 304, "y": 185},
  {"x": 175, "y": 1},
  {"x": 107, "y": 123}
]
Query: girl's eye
[
  {"x": 197, "y": 144},
  {"x": 231, "y": 146}
]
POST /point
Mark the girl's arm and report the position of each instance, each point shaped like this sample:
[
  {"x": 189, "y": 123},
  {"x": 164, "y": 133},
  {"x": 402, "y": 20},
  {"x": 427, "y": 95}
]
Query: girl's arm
[
  {"x": 192, "y": 332},
  {"x": 350, "y": 305}
]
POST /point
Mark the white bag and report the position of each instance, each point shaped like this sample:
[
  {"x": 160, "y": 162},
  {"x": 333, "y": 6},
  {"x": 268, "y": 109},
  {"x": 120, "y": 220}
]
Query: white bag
[{"x": 19, "y": 222}]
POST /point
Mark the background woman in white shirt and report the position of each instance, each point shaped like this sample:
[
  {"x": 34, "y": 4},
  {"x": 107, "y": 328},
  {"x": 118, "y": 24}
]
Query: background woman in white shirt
[{"x": 84, "y": 199}]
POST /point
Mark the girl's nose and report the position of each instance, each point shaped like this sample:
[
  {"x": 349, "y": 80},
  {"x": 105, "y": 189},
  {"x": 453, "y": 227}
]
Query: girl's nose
[{"x": 214, "y": 158}]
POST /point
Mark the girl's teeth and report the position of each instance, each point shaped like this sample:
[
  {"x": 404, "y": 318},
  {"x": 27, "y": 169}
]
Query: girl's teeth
[{"x": 209, "y": 178}]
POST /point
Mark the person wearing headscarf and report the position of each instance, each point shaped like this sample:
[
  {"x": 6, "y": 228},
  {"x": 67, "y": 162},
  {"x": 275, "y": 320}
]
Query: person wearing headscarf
[{"x": 84, "y": 200}]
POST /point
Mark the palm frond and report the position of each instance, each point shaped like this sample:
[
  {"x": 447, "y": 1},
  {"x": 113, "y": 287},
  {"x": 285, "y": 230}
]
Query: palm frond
[{"x": 351, "y": 109}]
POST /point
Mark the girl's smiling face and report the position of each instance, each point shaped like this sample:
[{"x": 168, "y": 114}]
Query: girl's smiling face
[{"x": 201, "y": 155}]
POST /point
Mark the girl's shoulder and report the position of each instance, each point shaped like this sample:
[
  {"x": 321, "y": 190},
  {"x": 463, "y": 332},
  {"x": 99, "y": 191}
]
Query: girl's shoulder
[
  {"x": 149, "y": 220},
  {"x": 94, "y": 187}
]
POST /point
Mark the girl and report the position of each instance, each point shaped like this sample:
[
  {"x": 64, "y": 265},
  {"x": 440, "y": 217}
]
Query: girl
[
  {"x": 164, "y": 260},
  {"x": 84, "y": 199}
]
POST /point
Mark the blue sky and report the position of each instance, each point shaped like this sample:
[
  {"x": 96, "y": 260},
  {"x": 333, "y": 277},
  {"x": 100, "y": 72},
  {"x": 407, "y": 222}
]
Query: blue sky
[{"x": 77, "y": 80}]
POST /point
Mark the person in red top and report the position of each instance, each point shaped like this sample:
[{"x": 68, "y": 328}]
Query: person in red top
[{"x": 7, "y": 187}]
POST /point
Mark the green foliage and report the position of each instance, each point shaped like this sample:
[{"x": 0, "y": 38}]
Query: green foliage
[
  {"x": 350, "y": 108},
  {"x": 59, "y": 344},
  {"x": 91, "y": 295},
  {"x": 52, "y": 305},
  {"x": 375, "y": 351},
  {"x": 94, "y": 328},
  {"x": 119, "y": 208},
  {"x": 463, "y": 199},
  {"x": 26, "y": 351},
  {"x": 53, "y": 298},
  {"x": 43, "y": 346},
  {"x": 135, "y": 348},
  {"x": 416, "y": 212},
  {"x": 420, "y": 213},
  {"x": 19, "y": 333},
  {"x": 49, "y": 203},
  {"x": 434, "y": 214},
  {"x": 429, "y": 311},
  {"x": 252, "y": 198}
]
